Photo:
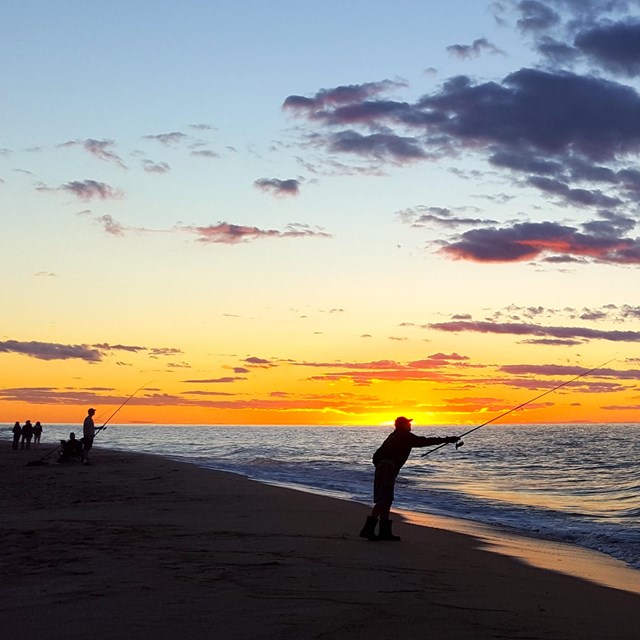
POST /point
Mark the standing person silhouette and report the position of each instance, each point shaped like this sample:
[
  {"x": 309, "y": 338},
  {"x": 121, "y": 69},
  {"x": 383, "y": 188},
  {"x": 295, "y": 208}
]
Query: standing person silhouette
[
  {"x": 88, "y": 434},
  {"x": 389, "y": 459},
  {"x": 17, "y": 432},
  {"x": 37, "y": 433},
  {"x": 27, "y": 434}
]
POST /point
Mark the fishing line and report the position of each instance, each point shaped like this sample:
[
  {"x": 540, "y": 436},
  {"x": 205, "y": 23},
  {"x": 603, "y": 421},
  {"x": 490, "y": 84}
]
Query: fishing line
[
  {"x": 104, "y": 424},
  {"x": 520, "y": 406}
]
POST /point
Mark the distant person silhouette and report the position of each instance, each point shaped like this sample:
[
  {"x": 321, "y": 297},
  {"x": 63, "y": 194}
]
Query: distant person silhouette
[
  {"x": 88, "y": 434},
  {"x": 17, "y": 432},
  {"x": 27, "y": 434},
  {"x": 389, "y": 459},
  {"x": 37, "y": 433}
]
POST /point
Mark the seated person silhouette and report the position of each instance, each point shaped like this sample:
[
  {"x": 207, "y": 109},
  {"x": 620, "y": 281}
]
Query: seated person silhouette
[{"x": 70, "y": 449}]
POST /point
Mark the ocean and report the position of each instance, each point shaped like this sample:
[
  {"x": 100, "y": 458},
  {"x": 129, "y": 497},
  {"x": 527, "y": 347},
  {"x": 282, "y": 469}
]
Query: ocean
[{"x": 577, "y": 484}]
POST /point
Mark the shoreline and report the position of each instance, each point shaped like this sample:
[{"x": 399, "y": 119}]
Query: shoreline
[
  {"x": 563, "y": 557},
  {"x": 138, "y": 545}
]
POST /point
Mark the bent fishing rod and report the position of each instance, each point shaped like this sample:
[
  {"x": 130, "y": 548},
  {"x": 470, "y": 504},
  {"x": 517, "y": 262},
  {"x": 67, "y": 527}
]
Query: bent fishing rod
[{"x": 520, "y": 406}]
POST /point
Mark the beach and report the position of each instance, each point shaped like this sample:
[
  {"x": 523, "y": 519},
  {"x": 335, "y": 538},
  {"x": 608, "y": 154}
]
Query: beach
[{"x": 140, "y": 546}]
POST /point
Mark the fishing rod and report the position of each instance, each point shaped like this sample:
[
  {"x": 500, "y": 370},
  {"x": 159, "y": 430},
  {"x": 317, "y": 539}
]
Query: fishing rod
[
  {"x": 104, "y": 424},
  {"x": 41, "y": 461},
  {"x": 520, "y": 406}
]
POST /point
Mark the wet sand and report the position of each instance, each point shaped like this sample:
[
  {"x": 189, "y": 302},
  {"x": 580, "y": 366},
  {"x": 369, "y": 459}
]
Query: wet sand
[{"x": 138, "y": 546}]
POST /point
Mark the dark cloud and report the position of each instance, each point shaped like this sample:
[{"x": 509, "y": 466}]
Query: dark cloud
[
  {"x": 51, "y": 351},
  {"x": 278, "y": 187},
  {"x": 349, "y": 94},
  {"x": 563, "y": 131},
  {"x": 560, "y": 113},
  {"x": 536, "y": 16},
  {"x": 524, "y": 329},
  {"x": 616, "y": 47},
  {"x": 379, "y": 146},
  {"x": 478, "y": 47},
  {"x": 599, "y": 241}
]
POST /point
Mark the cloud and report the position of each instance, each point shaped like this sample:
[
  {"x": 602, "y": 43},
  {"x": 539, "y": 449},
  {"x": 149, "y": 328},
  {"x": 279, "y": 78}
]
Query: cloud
[
  {"x": 223, "y": 380},
  {"x": 600, "y": 241},
  {"x": 532, "y": 111},
  {"x": 51, "y": 351},
  {"x": 205, "y": 153},
  {"x": 572, "y": 135},
  {"x": 225, "y": 233},
  {"x": 524, "y": 329},
  {"x": 173, "y": 138},
  {"x": 536, "y": 16},
  {"x": 87, "y": 190},
  {"x": 111, "y": 226},
  {"x": 379, "y": 146},
  {"x": 101, "y": 149},
  {"x": 262, "y": 363},
  {"x": 616, "y": 47},
  {"x": 155, "y": 167},
  {"x": 345, "y": 94},
  {"x": 164, "y": 351},
  {"x": 479, "y": 46},
  {"x": 119, "y": 347},
  {"x": 422, "y": 216},
  {"x": 278, "y": 187}
]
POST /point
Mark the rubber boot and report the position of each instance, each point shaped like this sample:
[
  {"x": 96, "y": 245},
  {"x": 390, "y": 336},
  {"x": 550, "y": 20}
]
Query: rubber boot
[
  {"x": 386, "y": 533},
  {"x": 369, "y": 529}
]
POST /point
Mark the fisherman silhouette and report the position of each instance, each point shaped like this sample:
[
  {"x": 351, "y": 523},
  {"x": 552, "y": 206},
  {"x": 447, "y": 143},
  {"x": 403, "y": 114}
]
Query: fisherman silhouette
[
  {"x": 88, "y": 434},
  {"x": 389, "y": 459}
]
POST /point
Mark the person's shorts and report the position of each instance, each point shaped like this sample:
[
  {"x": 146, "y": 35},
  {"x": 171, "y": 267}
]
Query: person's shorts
[
  {"x": 87, "y": 443},
  {"x": 384, "y": 482}
]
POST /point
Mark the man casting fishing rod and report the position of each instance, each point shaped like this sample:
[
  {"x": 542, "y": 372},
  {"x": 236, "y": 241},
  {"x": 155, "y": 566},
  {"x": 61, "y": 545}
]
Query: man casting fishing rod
[
  {"x": 389, "y": 459},
  {"x": 395, "y": 450}
]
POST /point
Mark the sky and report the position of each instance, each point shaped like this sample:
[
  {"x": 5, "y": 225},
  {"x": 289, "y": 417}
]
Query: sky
[{"x": 241, "y": 212}]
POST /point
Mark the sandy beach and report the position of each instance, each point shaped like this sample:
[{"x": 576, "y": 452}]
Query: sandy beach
[{"x": 138, "y": 546}]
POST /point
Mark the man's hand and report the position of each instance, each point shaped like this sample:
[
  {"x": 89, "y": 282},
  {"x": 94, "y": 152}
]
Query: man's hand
[{"x": 451, "y": 439}]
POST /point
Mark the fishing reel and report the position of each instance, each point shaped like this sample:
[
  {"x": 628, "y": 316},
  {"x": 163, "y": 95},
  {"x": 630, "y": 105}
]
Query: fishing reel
[{"x": 459, "y": 444}]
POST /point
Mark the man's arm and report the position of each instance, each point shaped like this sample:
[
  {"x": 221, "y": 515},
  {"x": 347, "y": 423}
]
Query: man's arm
[{"x": 423, "y": 441}]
